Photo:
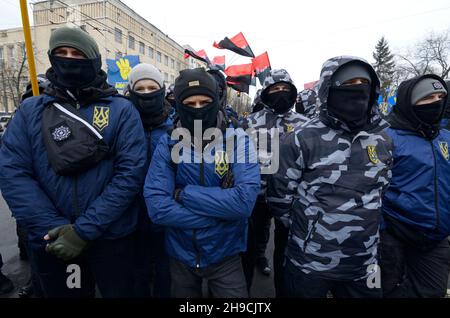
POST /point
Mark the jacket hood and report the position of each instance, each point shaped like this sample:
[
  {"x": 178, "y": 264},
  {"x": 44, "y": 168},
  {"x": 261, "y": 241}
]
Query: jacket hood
[
  {"x": 329, "y": 68},
  {"x": 309, "y": 100},
  {"x": 275, "y": 77},
  {"x": 403, "y": 117}
]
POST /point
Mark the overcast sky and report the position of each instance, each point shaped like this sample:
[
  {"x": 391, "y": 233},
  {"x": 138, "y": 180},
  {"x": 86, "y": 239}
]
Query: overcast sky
[{"x": 298, "y": 35}]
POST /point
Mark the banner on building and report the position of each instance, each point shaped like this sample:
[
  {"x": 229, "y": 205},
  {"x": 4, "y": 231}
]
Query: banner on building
[{"x": 120, "y": 69}]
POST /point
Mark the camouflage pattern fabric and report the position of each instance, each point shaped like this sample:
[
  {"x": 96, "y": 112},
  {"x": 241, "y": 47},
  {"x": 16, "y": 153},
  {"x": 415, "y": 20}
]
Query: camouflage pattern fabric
[
  {"x": 268, "y": 119},
  {"x": 328, "y": 189},
  {"x": 309, "y": 100}
]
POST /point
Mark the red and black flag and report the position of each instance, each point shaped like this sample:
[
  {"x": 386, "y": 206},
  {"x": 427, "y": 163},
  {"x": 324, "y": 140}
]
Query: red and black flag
[
  {"x": 200, "y": 55},
  {"x": 240, "y": 87},
  {"x": 219, "y": 61},
  {"x": 237, "y": 44},
  {"x": 240, "y": 73},
  {"x": 262, "y": 67},
  {"x": 239, "y": 77}
]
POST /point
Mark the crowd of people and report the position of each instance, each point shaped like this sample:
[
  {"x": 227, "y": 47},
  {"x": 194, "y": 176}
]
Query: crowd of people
[{"x": 153, "y": 192}]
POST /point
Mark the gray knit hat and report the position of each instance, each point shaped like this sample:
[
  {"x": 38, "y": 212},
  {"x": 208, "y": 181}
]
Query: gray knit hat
[
  {"x": 75, "y": 38},
  {"x": 350, "y": 71},
  {"x": 145, "y": 71},
  {"x": 426, "y": 87}
]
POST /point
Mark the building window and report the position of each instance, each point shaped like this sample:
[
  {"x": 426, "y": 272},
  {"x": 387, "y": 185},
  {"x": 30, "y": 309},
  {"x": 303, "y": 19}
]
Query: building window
[
  {"x": 12, "y": 56},
  {"x": 178, "y": 66},
  {"x": 172, "y": 64},
  {"x": 166, "y": 77},
  {"x": 131, "y": 44},
  {"x": 118, "y": 35},
  {"x": 1, "y": 56},
  {"x": 172, "y": 79},
  {"x": 150, "y": 52},
  {"x": 166, "y": 60},
  {"x": 158, "y": 56}
]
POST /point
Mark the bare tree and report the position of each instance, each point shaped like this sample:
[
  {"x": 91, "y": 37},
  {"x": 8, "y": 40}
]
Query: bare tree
[
  {"x": 430, "y": 55},
  {"x": 13, "y": 78}
]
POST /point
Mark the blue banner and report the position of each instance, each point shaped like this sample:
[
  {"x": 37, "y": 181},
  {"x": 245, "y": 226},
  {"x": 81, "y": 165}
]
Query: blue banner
[{"x": 119, "y": 70}]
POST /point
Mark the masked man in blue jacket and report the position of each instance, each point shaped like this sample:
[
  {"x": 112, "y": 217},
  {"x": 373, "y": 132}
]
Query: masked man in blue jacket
[
  {"x": 415, "y": 252},
  {"x": 146, "y": 91},
  {"x": 203, "y": 192},
  {"x": 72, "y": 163}
]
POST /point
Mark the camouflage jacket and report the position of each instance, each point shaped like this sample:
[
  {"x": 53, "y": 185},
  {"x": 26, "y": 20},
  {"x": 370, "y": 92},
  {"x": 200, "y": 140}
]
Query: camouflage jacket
[
  {"x": 329, "y": 188},
  {"x": 309, "y": 100},
  {"x": 268, "y": 119}
]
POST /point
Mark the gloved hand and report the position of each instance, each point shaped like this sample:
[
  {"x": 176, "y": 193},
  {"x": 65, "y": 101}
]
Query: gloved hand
[{"x": 67, "y": 244}]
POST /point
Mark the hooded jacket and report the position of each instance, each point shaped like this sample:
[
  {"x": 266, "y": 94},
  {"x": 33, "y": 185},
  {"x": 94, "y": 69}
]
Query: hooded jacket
[
  {"x": 100, "y": 202},
  {"x": 208, "y": 223},
  {"x": 419, "y": 194},
  {"x": 329, "y": 188},
  {"x": 309, "y": 99},
  {"x": 267, "y": 118}
]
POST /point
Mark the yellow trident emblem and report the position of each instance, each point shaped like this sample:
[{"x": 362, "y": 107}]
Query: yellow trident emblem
[
  {"x": 101, "y": 117},
  {"x": 221, "y": 163},
  {"x": 289, "y": 128},
  {"x": 372, "y": 152},
  {"x": 444, "y": 149}
]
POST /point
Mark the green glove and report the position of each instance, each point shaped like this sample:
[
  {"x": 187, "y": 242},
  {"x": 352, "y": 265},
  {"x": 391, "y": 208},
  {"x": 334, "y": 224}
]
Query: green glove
[{"x": 68, "y": 244}]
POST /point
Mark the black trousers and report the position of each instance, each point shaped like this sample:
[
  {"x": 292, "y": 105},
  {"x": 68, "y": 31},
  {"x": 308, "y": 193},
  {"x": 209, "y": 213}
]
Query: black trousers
[
  {"x": 281, "y": 240},
  {"x": 301, "y": 285},
  {"x": 106, "y": 263},
  {"x": 258, "y": 237},
  {"x": 407, "y": 272},
  {"x": 225, "y": 280},
  {"x": 151, "y": 263}
]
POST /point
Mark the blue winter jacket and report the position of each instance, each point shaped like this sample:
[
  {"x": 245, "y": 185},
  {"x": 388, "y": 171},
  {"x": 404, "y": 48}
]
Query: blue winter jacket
[
  {"x": 210, "y": 223},
  {"x": 100, "y": 202},
  {"x": 419, "y": 193}
]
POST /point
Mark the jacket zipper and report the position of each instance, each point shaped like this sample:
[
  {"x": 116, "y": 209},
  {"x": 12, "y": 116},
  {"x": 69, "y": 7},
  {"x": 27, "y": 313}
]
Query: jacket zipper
[
  {"x": 436, "y": 193},
  {"x": 194, "y": 232},
  {"x": 310, "y": 233}
]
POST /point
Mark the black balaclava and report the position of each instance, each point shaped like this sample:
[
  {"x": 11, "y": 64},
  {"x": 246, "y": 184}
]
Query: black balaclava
[
  {"x": 431, "y": 113},
  {"x": 280, "y": 101},
  {"x": 196, "y": 82},
  {"x": 350, "y": 103},
  {"x": 150, "y": 107},
  {"x": 74, "y": 73},
  {"x": 299, "y": 107}
]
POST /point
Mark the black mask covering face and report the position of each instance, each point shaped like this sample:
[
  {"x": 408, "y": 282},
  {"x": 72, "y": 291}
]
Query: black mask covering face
[
  {"x": 150, "y": 106},
  {"x": 350, "y": 104},
  {"x": 280, "y": 102},
  {"x": 299, "y": 108},
  {"x": 430, "y": 113},
  {"x": 75, "y": 73},
  {"x": 207, "y": 114}
]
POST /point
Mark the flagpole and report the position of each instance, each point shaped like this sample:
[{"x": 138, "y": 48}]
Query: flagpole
[{"x": 29, "y": 47}]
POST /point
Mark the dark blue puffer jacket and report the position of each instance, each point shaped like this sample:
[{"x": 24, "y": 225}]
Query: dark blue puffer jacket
[
  {"x": 210, "y": 223},
  {"x": 100, "y": 202},
  {"x": 419, "y": 193}
]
